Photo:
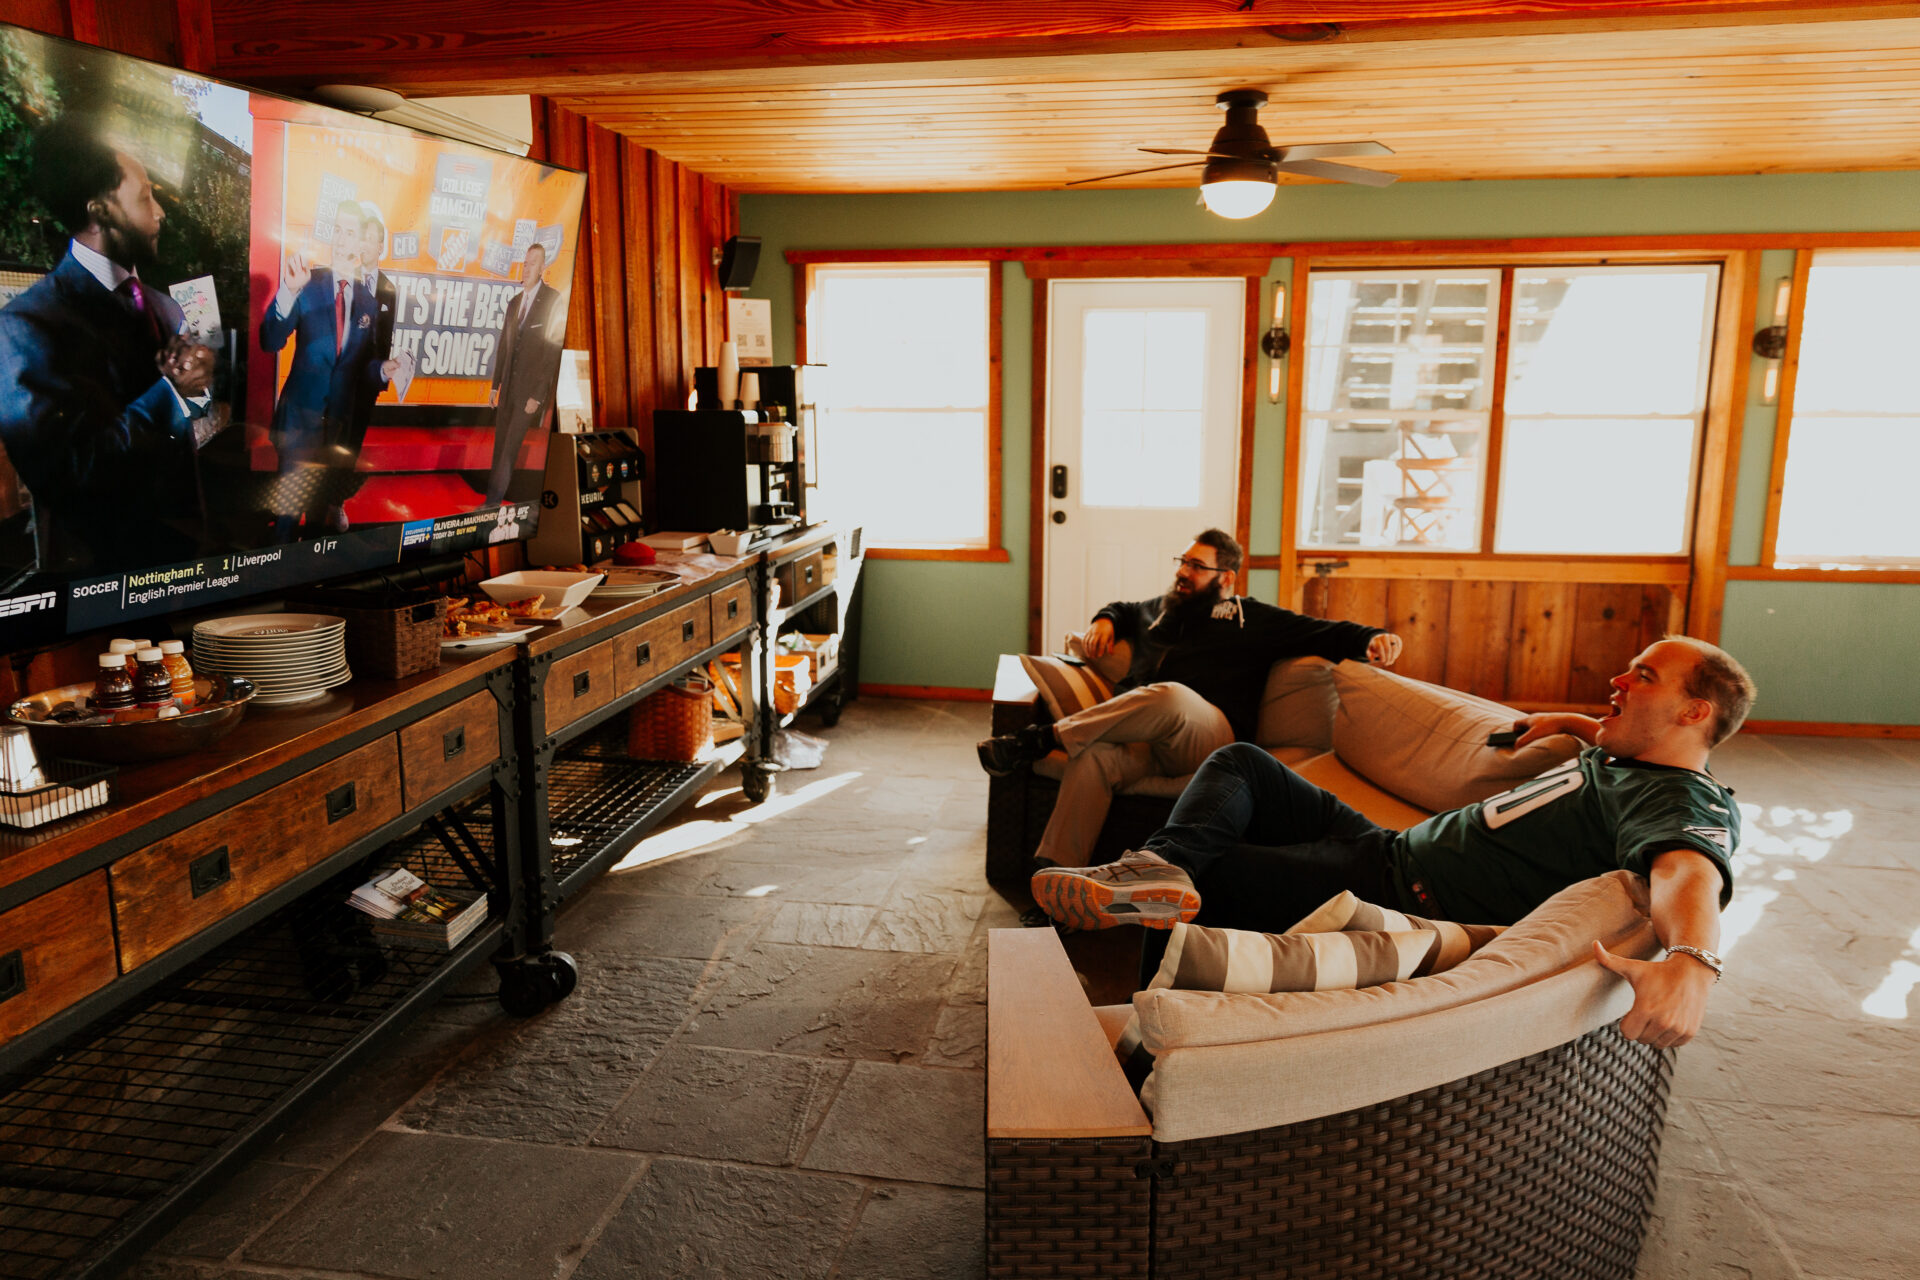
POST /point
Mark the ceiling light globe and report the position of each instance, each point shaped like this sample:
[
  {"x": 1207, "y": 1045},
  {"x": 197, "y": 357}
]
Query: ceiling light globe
[{"x": 1237, "y": 198}]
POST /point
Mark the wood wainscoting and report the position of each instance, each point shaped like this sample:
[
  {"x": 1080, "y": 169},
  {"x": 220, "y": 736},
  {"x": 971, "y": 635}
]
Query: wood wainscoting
[{"x": 1542, "y": 643}]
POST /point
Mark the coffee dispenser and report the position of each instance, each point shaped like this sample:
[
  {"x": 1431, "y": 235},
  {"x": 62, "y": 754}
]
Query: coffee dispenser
[{"x": 726, "y": 469}]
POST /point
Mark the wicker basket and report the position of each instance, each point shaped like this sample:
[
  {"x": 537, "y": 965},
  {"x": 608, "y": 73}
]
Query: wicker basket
[
  {"x": 674, "y": 723},
  {"x": 395, "y": 642}
]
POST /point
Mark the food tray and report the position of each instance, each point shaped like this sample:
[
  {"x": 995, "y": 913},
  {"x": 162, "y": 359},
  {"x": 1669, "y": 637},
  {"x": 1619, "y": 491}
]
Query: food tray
[{"x": 65, "y": 726}]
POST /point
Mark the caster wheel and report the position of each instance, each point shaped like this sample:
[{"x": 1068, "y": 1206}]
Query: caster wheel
[
  {"x": 561, "y": 975},
  {"x": 756, "y": 784},
  {"x": 529, "y": 985},
  {"x": 830, "y": 714}
]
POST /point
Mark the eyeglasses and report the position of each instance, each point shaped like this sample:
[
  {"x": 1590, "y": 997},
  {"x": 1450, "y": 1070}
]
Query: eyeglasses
[{"x": 1187, "y": 562}]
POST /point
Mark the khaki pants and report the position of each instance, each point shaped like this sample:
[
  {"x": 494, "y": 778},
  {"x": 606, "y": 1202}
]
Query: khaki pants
[{"x": 1159, "y": 730}]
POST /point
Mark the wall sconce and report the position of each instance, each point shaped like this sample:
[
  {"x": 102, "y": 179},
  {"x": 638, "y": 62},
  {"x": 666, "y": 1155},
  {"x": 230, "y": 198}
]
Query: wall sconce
[
  {"x": 1770, "y": 344},
  {"x": 1276, "y": 342}
]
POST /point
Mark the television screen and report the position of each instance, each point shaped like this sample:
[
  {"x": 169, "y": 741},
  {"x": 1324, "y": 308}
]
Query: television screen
[{"x": 249, "y": 342}]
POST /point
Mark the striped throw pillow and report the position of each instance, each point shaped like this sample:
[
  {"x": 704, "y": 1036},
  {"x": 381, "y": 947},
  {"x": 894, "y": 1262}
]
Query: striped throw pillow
[
  {"x": 1344, "y": 944},
  {"x": 1065, "y": 687}
]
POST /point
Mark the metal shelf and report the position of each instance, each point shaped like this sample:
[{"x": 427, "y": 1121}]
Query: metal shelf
[
  {"x": 105, "y": 1142},
  {"x": 600, "y": 800}
]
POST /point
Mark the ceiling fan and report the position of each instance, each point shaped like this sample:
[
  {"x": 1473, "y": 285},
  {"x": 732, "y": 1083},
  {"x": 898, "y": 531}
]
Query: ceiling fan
[{"x": 1242, "y": 165}]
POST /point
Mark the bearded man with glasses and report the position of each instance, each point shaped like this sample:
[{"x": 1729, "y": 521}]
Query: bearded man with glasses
[{"x": 1200, "y": 658}]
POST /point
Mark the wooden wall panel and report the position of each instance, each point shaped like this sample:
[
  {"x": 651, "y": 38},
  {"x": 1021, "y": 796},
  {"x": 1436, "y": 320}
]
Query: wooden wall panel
[
  {"x": 1541, "y": 649},
  {"x": 666, "y": 281},
  {"x": 646, "y": 302},
  {"x": 1417, "y": 611},
  {"x": 1362, "y": 600},
  {"x": 1606, "y": 635},
  {"x": 643, "y": 379},
  {"x": 1479, "y": 635}
]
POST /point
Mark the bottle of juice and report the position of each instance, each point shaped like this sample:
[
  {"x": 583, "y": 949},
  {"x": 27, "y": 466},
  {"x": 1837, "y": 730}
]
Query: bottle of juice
[
  {"x": 179, "y": 670},
  {"x": 113, "y": 687}
]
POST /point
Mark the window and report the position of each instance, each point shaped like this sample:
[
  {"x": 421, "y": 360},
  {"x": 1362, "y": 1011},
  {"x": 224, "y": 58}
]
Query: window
[
  {"x": 907, "y": 437},
  {"x": 1595, "y": 425},
  {"x": 1851, "y": 435}
]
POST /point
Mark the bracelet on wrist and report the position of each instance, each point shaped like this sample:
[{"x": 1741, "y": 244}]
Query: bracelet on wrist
[{"x": 1701, "y": 954}]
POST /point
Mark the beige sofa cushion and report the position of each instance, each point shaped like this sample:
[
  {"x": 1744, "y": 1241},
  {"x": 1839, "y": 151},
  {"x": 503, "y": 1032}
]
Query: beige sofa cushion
[
  {"x": 1233, "y": 1063},
  {"x": 1236, "y": 1088},
  {"x": 1428, "y": 744},
  {"x": 1556, "y": 935},
  {"x": 1297, "y": 708}
]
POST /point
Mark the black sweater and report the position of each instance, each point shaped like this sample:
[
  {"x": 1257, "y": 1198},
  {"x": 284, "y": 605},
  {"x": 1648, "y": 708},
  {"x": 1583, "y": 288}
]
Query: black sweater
[{"x": 1225, "y": 659}]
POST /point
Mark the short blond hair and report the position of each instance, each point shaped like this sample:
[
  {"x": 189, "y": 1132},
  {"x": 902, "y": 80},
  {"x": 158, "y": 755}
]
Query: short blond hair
[{"x": 1718, "y": 678}]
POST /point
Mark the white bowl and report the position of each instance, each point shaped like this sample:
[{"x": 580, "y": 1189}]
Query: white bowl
[
  {"x": 729, "y": 542},
  {"x": 562, "y": 590}
]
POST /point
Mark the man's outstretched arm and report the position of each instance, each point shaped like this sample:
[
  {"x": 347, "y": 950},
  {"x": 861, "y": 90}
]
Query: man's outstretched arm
[{"x": 1670, "y": 995}]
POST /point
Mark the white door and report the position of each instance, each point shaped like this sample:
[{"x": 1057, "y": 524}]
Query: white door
[{"x": 1143, "y": 428}]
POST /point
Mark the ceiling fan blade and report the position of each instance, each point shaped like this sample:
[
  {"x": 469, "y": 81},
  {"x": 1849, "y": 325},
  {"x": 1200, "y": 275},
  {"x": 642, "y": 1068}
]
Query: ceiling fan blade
[
  {"x": 1176, "y": 151},
  {"x": 1326, "y": 150},
  {"x": 1338, "y": 172},
  {"x": 1131, "y": 172}
]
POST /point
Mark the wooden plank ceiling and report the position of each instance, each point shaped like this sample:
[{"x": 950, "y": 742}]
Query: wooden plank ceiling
[{"x": 957, "y": 95}]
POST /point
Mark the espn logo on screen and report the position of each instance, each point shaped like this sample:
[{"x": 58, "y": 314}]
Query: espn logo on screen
[{"x": 25, "y": 604}]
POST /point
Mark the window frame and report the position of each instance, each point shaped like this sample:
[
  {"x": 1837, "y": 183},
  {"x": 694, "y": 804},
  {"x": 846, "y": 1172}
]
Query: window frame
[
  {"x": 1767, "y": 569},
  {"x": 994, "y": 551},
  {"x": 1504, "y": 269}
]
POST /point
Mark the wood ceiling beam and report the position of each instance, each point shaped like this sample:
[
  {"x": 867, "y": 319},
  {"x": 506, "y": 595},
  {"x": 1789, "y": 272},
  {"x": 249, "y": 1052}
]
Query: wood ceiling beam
[{"x": 543, "y": 46}]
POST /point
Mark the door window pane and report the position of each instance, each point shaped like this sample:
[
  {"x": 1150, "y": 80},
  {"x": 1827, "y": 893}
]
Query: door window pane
[
  {"x": 1853, "y": 446},
  {"x": 1143, "y": 388},
  {"x": 1396, "y": 399}
]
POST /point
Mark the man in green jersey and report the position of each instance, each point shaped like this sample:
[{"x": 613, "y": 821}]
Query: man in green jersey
[{"x": 1269, "y": 846}]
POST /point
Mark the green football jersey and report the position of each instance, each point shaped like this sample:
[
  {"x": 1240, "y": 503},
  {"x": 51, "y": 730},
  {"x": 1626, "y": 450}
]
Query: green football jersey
[{"x": 1492, "y": 862}]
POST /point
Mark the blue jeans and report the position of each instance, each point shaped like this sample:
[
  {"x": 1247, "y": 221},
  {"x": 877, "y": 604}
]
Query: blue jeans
[{"x": 1265, "y": 846}]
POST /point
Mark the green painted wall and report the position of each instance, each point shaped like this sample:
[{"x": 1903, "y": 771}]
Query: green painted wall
[{"x": 941, "y": 624}]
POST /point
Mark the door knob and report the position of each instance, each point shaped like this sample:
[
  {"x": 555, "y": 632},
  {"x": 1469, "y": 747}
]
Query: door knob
[{"x": 1059, "y": 517}]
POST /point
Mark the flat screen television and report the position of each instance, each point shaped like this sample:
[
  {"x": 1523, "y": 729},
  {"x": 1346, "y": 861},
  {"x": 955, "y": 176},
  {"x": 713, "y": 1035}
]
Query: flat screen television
[{"x": 249, "y": 342}]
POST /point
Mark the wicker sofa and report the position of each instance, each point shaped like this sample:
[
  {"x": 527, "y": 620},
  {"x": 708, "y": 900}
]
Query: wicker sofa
[{"x": 1488, "y": 1121}]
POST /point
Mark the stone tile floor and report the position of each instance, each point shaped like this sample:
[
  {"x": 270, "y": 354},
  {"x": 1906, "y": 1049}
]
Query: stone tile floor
[{"x": 773, "y": 1066}]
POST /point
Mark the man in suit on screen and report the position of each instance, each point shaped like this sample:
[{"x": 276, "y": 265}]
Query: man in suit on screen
[
  {"x": 525, "y": 370},
  {"x": 340, "y": 362},
  {"x": 100, "y": 390}
]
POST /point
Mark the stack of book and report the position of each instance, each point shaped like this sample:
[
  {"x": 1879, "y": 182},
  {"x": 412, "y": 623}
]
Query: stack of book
[{"x": 409, "y": 912}]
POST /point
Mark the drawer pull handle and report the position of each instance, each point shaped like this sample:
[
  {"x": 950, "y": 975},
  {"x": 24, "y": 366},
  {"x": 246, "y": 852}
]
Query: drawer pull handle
[
  {"x": 13, "y": 975},
  {"x": 643, "y": 653},
  {"x": 733, "y": 610},
  {"x": 582, "y": 682},
  {"x": 686, "y": 629},
  {"x": 209, "y": 871},
  {"x": 453, "y": 742},
  {"x": 341, "y": 801},
  {"x": 808, "y": 571}
]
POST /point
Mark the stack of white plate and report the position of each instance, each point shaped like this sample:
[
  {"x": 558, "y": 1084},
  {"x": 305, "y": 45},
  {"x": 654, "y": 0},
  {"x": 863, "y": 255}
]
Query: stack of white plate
[
  {"x": 290, "y": 657},
  {"x": 632, "y": 584}
]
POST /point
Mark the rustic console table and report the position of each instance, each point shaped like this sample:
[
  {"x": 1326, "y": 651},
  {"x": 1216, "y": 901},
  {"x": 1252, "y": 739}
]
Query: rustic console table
[{"x": 180, "y": 970}]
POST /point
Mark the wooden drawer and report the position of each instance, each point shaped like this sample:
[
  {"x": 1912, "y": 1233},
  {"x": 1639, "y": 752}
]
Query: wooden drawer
[
  {"x": 449, "y": 745},
  {"x": 170, "y": 890},
  {"x": 659, "y": 644},
  {"x": 54, "y": 950},
  {"x": 800, "y": 577},
  {"x": 732, "y": 610},
  {"x": 579, "y": 684}
]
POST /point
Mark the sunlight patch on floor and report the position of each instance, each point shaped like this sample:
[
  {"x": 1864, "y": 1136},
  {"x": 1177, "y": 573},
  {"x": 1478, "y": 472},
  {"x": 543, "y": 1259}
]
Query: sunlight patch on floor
[{"x": 703, "y": 833}]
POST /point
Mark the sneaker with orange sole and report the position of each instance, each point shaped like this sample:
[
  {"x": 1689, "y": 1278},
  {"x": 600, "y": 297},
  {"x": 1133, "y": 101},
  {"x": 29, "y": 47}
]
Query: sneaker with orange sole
[{"x": 1141, "y": 888}]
